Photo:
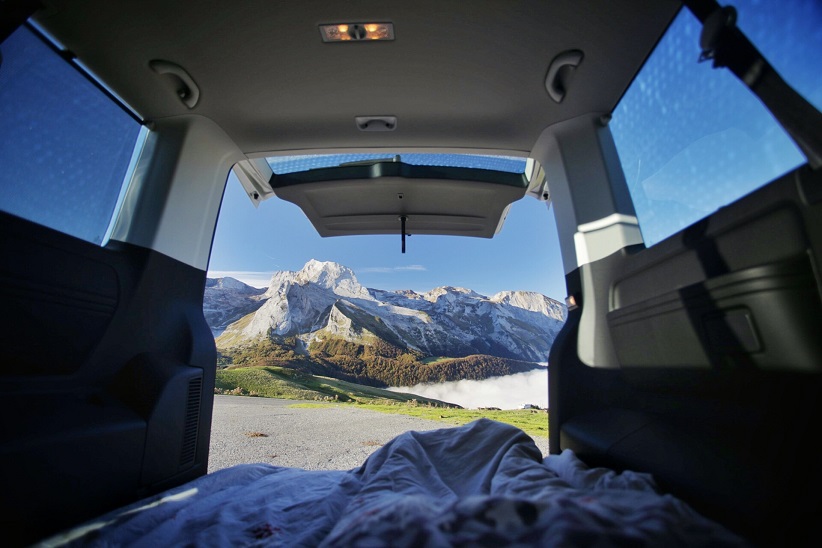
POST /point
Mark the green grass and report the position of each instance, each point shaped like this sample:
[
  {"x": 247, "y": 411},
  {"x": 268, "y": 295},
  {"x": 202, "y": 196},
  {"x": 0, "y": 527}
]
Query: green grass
[
  {"x": 533, "y": 422},
  {"x": 234, "y": 336},
  {"x": 434, "y": 359},
  {"x": 290, "y": 384},
  {"x": 284, "y": 383}
]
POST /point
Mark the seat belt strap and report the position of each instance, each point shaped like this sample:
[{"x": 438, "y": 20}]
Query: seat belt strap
[{"x": 723, "y": 43}]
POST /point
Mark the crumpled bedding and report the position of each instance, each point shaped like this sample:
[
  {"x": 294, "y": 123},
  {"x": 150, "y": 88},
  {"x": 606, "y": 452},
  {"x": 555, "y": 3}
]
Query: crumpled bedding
[{"x": 483, "y": 484}]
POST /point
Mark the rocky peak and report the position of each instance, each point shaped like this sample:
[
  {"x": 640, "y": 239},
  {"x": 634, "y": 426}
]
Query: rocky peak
[
  {"x": 320, "y": 274},
  {"x": 450, "y": 293},
  {"x": 230, "y": 284},
  {"x": 326, "y": 274},
  {"x": 535, "y": 302},
  {"x": 410, "y": 293}
]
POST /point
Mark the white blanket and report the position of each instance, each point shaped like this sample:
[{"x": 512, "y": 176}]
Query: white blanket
[{"x": 484, "y": 484}]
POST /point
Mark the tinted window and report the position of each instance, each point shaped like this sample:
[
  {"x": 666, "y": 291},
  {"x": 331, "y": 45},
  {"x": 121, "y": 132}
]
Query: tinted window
[
  {"x": 65, "y": 147},
  {"x": 292, "y": 164},
  {"x": 692, "y": 138}
]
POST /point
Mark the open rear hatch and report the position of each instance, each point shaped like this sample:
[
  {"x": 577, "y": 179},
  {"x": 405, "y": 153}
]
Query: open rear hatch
[{"x": 444, "y": 194}]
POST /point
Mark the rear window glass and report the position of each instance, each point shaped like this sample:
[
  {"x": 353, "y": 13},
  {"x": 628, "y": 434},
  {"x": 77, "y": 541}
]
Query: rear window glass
[
  {"x": 692, "y": 138},
  {"x": 65, "y": 147},
  {"x": 294, "y": 164}
]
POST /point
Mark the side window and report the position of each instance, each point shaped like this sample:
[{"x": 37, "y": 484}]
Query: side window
[
  {"x": 692, "y": 138},
  {"x": 65, "y": 147}
]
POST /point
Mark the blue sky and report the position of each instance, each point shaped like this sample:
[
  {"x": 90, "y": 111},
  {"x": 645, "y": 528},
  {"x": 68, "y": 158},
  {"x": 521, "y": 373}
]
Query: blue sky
[{"x": 250, "y": 243}]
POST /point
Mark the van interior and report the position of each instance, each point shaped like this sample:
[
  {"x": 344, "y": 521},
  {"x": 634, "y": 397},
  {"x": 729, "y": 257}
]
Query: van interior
[{"x": 692, "y": 353}]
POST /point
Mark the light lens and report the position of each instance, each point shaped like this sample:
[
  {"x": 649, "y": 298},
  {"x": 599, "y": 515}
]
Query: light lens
[{"x": 357, "y": 32}]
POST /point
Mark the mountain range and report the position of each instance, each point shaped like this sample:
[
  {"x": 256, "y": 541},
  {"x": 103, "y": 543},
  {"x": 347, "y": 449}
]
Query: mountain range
[{"x": 322, "y": 310}]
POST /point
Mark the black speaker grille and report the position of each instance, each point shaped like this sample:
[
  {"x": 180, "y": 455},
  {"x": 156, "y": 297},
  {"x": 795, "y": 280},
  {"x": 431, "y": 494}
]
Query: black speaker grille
[{"x": 189, "y": 450}]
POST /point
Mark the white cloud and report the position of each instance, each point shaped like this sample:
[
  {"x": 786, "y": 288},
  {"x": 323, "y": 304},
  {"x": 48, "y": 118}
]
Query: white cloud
[
  {"x": 254, "y": 279},
  {"x": 391, "y": 269},
  {"x": 508, "y": 392}
]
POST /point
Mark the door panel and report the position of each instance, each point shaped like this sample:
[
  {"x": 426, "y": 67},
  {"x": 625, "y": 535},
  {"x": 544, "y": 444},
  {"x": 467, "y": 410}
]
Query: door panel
[
  {"x": 106, "y": 377},
  {"x": 42, "y": 285},
  {"x": 718, "y": 392}
]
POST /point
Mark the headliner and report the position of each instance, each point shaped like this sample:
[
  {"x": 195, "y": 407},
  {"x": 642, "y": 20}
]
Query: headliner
[{"x": 459, "y": 75}]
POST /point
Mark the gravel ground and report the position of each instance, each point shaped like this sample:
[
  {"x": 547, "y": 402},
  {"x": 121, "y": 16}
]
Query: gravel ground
[{"x": 333, "y": 438}]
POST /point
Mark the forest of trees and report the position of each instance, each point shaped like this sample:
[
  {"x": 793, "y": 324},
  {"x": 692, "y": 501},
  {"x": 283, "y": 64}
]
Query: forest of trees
[{"x": 378, "y": 364}]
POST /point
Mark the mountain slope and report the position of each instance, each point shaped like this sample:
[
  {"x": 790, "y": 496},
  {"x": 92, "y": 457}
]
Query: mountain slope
[{"x": 226, "y": 300}]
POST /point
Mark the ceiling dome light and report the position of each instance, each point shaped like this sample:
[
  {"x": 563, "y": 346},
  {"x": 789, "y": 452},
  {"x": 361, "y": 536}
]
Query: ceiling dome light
[{"x": 356, "y": 32}]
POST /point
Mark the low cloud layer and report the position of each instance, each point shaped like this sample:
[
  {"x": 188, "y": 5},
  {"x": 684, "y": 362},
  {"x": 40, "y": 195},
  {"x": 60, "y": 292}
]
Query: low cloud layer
[{"x": 508, "y": 392}]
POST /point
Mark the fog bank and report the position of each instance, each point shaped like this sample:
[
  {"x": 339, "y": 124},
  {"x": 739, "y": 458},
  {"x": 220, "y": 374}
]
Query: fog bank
[{"x": 508, "y": 392}]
